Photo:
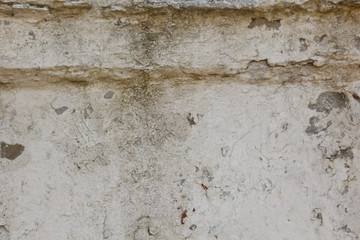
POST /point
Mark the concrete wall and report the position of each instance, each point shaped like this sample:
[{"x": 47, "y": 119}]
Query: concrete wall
[{"x": 235, "y": 120}]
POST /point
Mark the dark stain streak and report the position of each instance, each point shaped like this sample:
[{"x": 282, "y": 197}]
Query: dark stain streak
[
  {"x": 319, "y": 216},
  {"x": 356, "y": 97},
  {"x": 148, "y": 230},
  {"x": 11, "y": 151}
]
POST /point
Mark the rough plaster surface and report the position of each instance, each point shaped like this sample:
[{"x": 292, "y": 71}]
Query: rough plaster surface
[{"x": 178, "y": 119}]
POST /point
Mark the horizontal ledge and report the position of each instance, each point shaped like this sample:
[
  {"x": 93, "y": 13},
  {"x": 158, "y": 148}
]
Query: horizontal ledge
[
  {"x": 75, "y": 8},
  {"x": 256, "y": 73}
]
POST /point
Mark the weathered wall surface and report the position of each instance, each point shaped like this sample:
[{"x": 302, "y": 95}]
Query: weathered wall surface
[{"x": 179, "y": 119}]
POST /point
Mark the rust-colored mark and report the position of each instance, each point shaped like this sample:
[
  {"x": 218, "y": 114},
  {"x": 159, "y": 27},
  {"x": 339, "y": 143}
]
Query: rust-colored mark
[
  {"x": 183, "y": 216},
  {"x": 204, "y": 187},
  {"x": 193, "y": 209}
]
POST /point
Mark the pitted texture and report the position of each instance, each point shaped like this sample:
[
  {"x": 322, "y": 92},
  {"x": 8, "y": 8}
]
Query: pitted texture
[{"x": 179, "y": 119}]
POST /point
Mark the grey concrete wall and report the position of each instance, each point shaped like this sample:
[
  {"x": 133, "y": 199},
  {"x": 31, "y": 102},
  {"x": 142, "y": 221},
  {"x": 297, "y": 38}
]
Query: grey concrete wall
[{"x": 179, "y": 120}]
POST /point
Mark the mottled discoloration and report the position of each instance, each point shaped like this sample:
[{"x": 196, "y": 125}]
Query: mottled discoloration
[
  {"x": 313, "y": 129},
  {"x": 173, "y": 119},
  {"x": 327, "y": 101}
]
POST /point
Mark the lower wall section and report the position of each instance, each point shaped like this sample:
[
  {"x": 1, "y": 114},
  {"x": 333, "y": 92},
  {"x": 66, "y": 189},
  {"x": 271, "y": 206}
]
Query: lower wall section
[{"x": 163, "y": 160}]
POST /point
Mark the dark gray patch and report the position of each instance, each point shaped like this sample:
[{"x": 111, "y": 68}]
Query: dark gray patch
[
  {"x": 11, "y": 151},
  {"x": 347, "y": 153},
  {"x": 320, "y": 39},
  {"x": 224, "y": 151},
  {"x": 357, "y": 43},
  {"x": 193, "y": 227},
  {"x": 32, "y": 34},
  {"x": 60, "y": 110},
  {"x": 109, "y": 95},
  {"x": 285, "y": 126},
  {"x": 312, "y": 129},
  {"x": 87, "y": 111},
  {"x": 319, "y": 216},
  {"x": 327, "y": 101},
  {"x": 182, "y": 181},
  {"x": 345, "y": 228},
  {"x": 303, "y": 45},
  {"x": 258, "y": 22},
  {"x": 106, "y": 233},
  {"x": 86, "y": 114},
  {"x": 207, "y": 174},
  {"x": 267, "y": 185},
  {"x": 119, "y": 23},
  {"x": 191, "y": 119},
  {"x": 346, "y": 190},
  {"x": 224, "y": 194},
  {"x": 343, "y": 153}
]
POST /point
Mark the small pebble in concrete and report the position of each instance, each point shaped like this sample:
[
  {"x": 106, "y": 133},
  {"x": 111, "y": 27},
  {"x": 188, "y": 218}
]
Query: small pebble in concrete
[
  {"x": 109, "y": 95},
  {"x": 60, "y": 110}
]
